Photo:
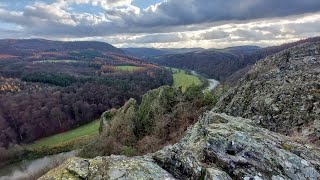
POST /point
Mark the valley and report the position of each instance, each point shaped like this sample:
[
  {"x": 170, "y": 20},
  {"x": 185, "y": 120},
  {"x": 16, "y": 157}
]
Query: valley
[
  {"x": 180, "y": 80},
  {"x": 69, "y": 93},
  {"x": 68, "y": 76},
  {"x": 159, "y": 90},
  {"x": 227, "y": 65}
]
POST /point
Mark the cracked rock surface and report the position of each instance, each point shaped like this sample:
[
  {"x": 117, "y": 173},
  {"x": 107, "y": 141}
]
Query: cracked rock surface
[{"x": 218, "y": 147}]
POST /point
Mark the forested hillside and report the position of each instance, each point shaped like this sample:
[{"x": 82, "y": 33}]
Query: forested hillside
[
  {"x": 41, "y": 96},
  {"x": 17, "y": 48}
]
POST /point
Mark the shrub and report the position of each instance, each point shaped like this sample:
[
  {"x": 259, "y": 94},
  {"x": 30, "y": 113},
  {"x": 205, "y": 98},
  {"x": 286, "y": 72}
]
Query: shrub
[
  {"x": 209, "y": 99},
  {"x": 128, "y": 151}
]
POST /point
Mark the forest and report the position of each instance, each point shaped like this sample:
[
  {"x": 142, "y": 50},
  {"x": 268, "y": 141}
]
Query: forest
[{"x": 41, "y": 96}]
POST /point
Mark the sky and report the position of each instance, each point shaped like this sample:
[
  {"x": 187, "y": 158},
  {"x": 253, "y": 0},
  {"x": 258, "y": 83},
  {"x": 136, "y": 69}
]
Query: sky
[{"x": 162, "y": 23}]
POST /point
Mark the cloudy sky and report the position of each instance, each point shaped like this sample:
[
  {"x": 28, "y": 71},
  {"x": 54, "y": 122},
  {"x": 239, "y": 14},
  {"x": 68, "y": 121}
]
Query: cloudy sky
[{"x": 162, "y": 23}]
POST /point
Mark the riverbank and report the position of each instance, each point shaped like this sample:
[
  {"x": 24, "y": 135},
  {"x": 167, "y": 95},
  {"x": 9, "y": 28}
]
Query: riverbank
[{"x": 212, "y": 82}]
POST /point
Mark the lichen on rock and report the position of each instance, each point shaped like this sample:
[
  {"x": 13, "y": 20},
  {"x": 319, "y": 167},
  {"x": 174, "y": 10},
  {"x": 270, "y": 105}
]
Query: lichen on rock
[
  {"x": 111, "y": 167},
  {"x": 281, "y": 93},
  {"x": 240, "y": 150}
]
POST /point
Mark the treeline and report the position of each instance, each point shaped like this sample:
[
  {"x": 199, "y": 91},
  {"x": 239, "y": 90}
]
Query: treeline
[{"x": 63, "y": 80}]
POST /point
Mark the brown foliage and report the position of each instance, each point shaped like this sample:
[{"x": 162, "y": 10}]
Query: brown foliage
[
  {"x": 107, "y": 68},
  {"x": 7, "y": 56}
]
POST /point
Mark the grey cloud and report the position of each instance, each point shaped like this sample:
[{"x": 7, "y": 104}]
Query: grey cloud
[
  {"x": 252, "y": 34},
  {"x": 4, "y": 33},
  {"x": 161, "y": 38},
  {"x": 182, "y": 12},
  {"x": 273, "y": 29},
  {"x": 214, "y": 34},
  {"x": 310, "y": 27}
]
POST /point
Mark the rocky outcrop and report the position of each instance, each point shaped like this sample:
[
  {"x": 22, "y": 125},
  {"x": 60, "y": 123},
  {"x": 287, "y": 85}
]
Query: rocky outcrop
[
  {"x": 281, "y": 93},
  {"x": 127, "y": 111},
  {"x": 218, "y": 147},
  {"x": 142, "y": 117},
  {"x": 112, "y": 167},
  {"x": 229, "y": 147}
]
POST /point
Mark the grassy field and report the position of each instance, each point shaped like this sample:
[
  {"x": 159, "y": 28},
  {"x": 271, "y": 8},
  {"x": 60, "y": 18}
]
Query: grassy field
[
  {"x": 184, "y": 80},
  {"x": 57, "y": 61},
  {"x": 84, "y": 131},
  {"x": 128, "y": 68}
]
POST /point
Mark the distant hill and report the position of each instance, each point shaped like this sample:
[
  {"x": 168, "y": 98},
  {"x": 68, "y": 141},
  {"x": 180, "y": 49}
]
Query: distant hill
[
  {"x": 151, "y": 52},
  {"x": 228, "y": 64},
  {"x": 215, "y": 63},
  {"x": 31, "y": 47}
]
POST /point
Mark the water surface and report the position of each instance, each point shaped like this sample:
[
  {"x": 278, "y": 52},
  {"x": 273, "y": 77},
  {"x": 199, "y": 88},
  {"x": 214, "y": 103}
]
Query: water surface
[{"x": 24, "y": 168}]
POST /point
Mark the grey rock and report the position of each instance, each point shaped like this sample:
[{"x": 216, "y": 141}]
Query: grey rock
[
  {"x": 281, "y": 93},
  {"x": 216, "y": 174},
  {"x": 111, "y": 168},
  {"x": 236, "y": 148},
  {"x": 79, "y": 167}
]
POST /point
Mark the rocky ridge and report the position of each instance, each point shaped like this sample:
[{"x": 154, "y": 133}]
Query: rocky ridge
[
  {"x": 281, "y": 93},
  {"x": 218, "y": 146}
]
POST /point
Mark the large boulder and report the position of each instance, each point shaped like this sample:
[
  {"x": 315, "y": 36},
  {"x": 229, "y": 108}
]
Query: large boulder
[
  {"x": 217, "y": 147},
  {"x": 111, "y": 167},
  {"x": 281, "y": 93}
]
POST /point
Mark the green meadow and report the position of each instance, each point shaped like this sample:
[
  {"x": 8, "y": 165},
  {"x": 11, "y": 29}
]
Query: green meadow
[
  {"x": 184, "y": 80},
  {"x": 83, "y": 131}
]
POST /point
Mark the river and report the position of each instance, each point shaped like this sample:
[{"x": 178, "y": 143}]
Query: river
[
  {"x": 24, "y": 169},
  {"x": 212, "y": 82}
]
